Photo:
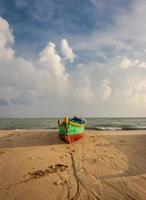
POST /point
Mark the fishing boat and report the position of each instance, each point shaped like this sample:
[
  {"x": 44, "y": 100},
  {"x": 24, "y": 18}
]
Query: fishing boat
[{"x": 71, "y": 129}]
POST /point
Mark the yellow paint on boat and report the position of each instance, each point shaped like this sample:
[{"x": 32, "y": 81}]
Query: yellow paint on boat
[{"x": 73, "y": 123}]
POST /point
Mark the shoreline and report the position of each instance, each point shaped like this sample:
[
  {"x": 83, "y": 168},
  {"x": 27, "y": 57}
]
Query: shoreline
[
  {"x": 86, "y": 129},
  {"x": 37, "y": 164}
]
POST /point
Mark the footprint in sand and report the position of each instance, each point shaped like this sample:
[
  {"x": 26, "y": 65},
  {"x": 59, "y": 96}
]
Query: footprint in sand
[
  {"x": 8, "y": 140},
  {"x": 122, "y": 141},
  {"x": 60, "y": 182},
  {"x": 2, "y": 152}
]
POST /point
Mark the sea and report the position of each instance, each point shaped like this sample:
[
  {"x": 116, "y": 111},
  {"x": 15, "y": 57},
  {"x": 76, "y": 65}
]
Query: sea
[{"x": 107, "y": 124}]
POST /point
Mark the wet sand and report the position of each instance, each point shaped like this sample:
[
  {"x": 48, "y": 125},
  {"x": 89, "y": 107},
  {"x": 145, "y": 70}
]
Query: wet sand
[{"x": 102, "y": 165}]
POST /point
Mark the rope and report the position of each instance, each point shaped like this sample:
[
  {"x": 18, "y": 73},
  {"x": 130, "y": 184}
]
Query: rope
[{"x": 77, "y": 179}]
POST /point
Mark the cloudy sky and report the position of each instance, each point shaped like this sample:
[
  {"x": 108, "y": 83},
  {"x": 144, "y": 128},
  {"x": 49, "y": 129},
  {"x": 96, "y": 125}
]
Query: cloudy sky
[{"x": 61, "y": 57}]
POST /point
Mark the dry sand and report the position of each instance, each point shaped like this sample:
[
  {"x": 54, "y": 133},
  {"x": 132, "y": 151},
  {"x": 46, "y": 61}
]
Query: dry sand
[{"x": 37, "y": 165}]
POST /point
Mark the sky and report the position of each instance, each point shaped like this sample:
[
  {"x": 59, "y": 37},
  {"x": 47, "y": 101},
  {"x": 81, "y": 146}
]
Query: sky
[{"x": 63, "y": 58}]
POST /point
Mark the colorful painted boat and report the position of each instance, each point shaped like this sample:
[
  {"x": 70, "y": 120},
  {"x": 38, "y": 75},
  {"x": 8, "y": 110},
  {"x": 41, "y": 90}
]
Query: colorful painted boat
[{"x": 71, "y": 129}]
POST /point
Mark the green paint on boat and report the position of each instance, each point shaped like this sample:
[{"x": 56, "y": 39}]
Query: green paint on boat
[{"x": 71, "y": 129}]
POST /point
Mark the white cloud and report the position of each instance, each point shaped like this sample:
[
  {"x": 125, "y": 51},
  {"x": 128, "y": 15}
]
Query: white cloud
[
  {"x": 6, "y": 40},
  {"x": 134, "y": 93},
  {"x": 83, "y": 90},
  {"x": 67, "y": 51},
  {"x": 51, "y": 63},
  {"x": 127, "y": 63},
  {"x": 5, "y": 33},
  {"x": 106, "y": 89},
  {"x": 25, "y": 81}
]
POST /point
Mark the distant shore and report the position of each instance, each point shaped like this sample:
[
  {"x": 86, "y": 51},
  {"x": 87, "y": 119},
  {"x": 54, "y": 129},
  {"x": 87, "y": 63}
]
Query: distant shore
[{"x": 36, "y": 164}]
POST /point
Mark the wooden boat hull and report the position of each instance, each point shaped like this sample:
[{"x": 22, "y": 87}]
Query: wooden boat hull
[
  {"x": 70, "y": 131},
  {"x": 71, "y": 138}
]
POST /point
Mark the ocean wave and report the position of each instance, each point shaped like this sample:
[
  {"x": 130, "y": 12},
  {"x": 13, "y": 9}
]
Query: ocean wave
[
  {"x": 105, "y": 128},
  {"x": 116, "y": 128},
  {"x": 133, "y": 128}
]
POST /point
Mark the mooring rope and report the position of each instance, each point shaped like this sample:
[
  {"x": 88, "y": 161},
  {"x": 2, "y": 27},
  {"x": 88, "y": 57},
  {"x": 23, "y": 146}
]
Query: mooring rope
[{"x": 75, "y": 173}]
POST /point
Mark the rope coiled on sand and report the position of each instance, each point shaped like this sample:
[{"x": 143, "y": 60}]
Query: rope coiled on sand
[{"x": 77, "y": 179}]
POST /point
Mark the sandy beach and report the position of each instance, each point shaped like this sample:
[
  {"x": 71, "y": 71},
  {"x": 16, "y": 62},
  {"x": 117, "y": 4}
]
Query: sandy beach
[{"x": 36, "y": 164}]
